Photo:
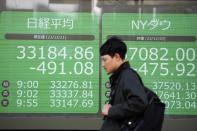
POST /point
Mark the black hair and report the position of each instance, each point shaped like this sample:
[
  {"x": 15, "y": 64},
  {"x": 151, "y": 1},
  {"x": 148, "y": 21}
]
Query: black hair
[{"x": 113, "y": 45}]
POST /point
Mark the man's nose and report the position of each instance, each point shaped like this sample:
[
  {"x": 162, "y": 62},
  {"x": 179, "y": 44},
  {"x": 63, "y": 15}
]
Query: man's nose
[{"x": 102, "y": 64}]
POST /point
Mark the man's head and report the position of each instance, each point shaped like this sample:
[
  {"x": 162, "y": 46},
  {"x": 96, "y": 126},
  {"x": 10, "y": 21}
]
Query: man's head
[{"x": 113, "y": 53}]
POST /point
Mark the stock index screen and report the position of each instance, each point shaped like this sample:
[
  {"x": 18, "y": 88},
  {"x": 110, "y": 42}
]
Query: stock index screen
[
  {"x": 162, "y": 48},
  {"x": 49, "y": 62}
]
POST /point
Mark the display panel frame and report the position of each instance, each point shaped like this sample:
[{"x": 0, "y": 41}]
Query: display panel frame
[{"x": 86, "y": 122}]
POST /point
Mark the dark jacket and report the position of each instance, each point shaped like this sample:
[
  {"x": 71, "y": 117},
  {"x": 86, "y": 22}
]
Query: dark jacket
[{"x": 128, "y": 98}]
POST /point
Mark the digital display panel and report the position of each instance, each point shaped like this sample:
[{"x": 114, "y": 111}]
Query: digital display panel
[
  {"x": 49, "y": 62},
  {"x": 162, "y": 48}
]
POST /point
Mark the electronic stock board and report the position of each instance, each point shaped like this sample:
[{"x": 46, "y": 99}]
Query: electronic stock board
[{"x": 50, "y": 62}]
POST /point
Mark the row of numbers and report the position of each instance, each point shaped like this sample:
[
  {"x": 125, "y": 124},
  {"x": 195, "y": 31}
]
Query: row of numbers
[
  {"x": 184, "y": 105},
  {"x": 71, "y": 84},
  {"x": 71, "y": 103},
  {"x": 71, "y": 94},
  {"x": 163, "y": 69},
  {"x": 57, "y": 103},
  {"x": 30, "y": 102},
  {"x": 176, "y": 95},
  {"x": 52, "y": 67},
  {"x": 53, "y": 52},
  {"x": 161, "y": 54},
  {"x": 27, "y": 84},
  {"x": 27, "y": 93},
  {"x": 174, "y": 86},
  {"x": 143, "y": 54}
]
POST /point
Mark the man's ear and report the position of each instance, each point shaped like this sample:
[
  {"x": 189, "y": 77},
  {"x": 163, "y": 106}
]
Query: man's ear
[{"x": 117, "y": 56}]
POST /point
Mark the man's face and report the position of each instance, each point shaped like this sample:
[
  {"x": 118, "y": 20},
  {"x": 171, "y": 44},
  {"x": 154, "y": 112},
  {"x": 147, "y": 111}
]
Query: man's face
[{"x": 109, "y": 63}]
